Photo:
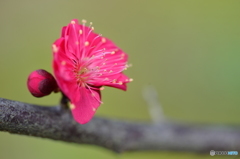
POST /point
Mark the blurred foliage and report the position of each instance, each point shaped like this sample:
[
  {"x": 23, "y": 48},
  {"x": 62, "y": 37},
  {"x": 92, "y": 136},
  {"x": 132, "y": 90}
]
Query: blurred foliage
[{"x": 189, "y": 50}]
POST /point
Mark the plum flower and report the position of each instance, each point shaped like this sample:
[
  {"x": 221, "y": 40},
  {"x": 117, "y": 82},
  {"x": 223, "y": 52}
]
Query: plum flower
[{"x": 83, "y": 62}]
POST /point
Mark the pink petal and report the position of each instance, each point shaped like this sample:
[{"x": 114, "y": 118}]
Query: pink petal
[
  {"x": 120, "y": 82},
  {"x": 62, "y": 67},
  {"x": 86, "y": 106},
  {"x": 72, "y": 41},
  {"x": 110, "y": 67},
  {"x": 63, "y": 31}
]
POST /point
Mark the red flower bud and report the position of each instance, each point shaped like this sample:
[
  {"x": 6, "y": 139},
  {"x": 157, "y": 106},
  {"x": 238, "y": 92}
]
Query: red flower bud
[{"x": 41, "y": 83}]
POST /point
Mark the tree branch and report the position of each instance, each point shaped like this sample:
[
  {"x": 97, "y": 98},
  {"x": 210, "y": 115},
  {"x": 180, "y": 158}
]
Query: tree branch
[{"x": 57, "y": 123}]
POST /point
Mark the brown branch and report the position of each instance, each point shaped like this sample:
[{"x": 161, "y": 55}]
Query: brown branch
[{"x": 57, "y": 123}]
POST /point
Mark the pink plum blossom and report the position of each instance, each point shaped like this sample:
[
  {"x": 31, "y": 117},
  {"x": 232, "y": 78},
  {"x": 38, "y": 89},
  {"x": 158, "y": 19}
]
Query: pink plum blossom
[{"x": 83, "y": 62}]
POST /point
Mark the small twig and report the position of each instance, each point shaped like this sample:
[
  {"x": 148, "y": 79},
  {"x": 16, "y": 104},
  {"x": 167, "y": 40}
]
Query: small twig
[
  {"x": 155, "y": 109},
  {"x": 64, "y": 101}
]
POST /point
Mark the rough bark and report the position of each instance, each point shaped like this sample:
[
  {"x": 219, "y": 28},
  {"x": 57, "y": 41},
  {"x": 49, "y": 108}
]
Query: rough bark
[{"x": 57, "y": 123}]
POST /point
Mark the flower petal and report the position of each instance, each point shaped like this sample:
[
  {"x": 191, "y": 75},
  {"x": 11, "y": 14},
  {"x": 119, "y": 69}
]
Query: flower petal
[
  {"x": 63, "y": 31},
  {"x": 119, "y": 82},
  {"x": 84, "y": 108},
  {"x": 109, "y": 66}
]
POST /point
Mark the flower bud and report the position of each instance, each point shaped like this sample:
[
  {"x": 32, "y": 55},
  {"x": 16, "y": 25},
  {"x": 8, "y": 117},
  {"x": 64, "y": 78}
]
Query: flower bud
[{"x": 41, "y": 83}]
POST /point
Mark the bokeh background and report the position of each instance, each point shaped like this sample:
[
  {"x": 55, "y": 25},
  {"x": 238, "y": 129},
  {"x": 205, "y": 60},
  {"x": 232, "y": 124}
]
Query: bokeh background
[{"x": 188, "y": 50}]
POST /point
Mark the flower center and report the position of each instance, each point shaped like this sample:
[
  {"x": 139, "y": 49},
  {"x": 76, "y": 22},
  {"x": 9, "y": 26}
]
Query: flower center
[{"x": 81, "y": 76}]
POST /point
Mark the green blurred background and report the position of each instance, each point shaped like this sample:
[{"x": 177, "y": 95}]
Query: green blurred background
[{"x": 188, "y": 50}]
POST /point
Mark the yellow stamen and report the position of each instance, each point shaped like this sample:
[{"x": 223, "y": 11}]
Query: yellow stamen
[
  {"x": 63, "y": 62},
  {"x": 86, "y": 43},
  {"x": 54, "y": 48},
  {"x": 84, "y": 21},
  {"x": 72, "y": 106},
  {"x": 103, "y": 40}
]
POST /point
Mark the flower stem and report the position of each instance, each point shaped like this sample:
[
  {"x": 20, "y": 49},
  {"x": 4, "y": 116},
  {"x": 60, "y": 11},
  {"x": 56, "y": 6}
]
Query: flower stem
[{"x": 64, "y": 102}]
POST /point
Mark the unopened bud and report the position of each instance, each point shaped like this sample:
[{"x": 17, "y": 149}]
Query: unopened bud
[{"x": 41, "y": 83}]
